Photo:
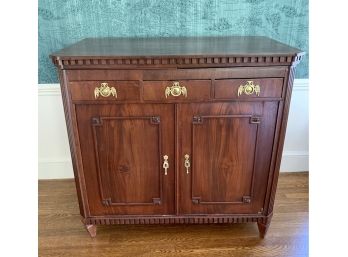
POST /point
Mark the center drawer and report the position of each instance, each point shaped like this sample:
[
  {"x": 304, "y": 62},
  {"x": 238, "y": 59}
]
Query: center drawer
[{"x": 180, "y": 90}]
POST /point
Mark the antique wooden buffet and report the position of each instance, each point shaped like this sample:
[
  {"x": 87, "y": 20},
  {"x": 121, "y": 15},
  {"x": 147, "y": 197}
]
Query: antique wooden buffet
[{"x": 176, "y": 130}]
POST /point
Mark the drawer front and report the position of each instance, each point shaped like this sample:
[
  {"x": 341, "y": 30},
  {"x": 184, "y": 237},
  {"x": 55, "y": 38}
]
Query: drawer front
[
  {"x": 248, "y": 88},
  {"x": 179, "y": 90},
  {"x": 105, "y": 90}
]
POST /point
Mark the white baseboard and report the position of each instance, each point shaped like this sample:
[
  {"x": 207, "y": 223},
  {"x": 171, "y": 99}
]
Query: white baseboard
[
  {"x": 54, "y": 153},
  {"x": 294, "y": 161},
  {"x": 55, "y": 169}
]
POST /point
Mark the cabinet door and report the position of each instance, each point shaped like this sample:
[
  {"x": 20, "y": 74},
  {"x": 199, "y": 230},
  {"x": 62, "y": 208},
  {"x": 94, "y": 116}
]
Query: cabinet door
[
  {"x": 123, "y": 149},
  {"x": 224, "y": 156}
]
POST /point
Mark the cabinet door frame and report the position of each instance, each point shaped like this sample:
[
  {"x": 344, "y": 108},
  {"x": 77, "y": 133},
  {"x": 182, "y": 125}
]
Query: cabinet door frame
[
  {"x": 98, "y": 122},
  {"x": 256, "y": 113},
  {"x": 198, "y": 120},
  {"x": 92, "y": 118}
]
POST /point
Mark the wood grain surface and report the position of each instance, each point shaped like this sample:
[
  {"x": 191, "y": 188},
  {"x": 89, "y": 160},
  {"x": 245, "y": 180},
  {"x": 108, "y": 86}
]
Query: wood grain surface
[
  {"x": 225, "y": 146},
  {"x": 62, "y": 234},
  {"x": 125, "y": 169},
  {"x": 235, "y": 45}
]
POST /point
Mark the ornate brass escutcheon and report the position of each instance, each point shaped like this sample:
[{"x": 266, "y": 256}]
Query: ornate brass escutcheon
[
  {"x": 105, "y": 91},
  {"x": 187, "y": 163},
  {"x": 249, "y": 88},
  {"x": 165, "y": 164},
  {"x": 176, "y": 90}
]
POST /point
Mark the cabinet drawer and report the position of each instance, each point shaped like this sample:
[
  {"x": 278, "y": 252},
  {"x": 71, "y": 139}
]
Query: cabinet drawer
[
  {"x": 105, "y": 90},
  {"x": 177, "y": 90},
  {"x": 248, "y": 88}
]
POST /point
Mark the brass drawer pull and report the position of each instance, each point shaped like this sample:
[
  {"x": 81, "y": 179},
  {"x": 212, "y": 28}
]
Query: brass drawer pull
[
  {"x": 187, "y": 163},
  {"x": 105, "y": 91},
  {"x": 165, "y": 164},
  {"x": 176, "y": 90},
  {"x": 249, "y": 88}
]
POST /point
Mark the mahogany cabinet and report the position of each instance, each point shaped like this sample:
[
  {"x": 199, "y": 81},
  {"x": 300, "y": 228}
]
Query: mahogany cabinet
[{"x": 176, "y": 130}]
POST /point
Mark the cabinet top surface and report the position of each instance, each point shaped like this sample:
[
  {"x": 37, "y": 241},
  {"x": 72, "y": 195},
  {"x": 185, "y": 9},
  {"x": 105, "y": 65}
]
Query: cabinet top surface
[{"x": 177, "y": 46}]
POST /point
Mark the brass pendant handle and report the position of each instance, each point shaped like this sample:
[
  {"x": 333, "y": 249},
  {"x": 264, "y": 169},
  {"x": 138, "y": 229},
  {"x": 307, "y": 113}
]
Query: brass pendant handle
[
  {"x": 187, "y": 163},
  {"x": 105, "y": 91},
  {"x": 165, "y": 164},
  {"x": 175, "y": 90},
  {"x": 249, "y": 88}
]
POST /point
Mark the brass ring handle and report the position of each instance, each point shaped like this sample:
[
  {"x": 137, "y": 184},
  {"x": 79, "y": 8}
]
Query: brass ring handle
[
  {"x": 187, "y": 163},
  {"x": 175, "y": 90},
  {"x": 165, "y": 164},
  {"x": 105, "y": 91},
  {"x": 249, "y": 88}
]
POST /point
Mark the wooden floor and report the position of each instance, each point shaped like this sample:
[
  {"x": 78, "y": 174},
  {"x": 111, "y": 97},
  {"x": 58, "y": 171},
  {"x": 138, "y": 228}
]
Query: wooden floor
[{"x": 61, "y": 233}]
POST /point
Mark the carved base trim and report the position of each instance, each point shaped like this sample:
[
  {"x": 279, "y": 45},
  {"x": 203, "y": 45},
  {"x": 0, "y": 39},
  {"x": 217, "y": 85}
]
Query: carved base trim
[
  {"x": 263, "y": 222},
  {"x": 175, "y": 220}
]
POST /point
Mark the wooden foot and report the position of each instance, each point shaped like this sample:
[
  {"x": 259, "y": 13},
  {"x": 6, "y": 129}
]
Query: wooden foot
[
  {"x": 263, "y": 226},
  {"x": 262, "y": 229},
  {"x": 92, "y": 230}
]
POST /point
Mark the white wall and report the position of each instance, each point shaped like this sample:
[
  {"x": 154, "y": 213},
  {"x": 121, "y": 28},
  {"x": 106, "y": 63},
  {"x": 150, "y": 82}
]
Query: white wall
[
  {"x": 54, "y": 153},
  {"x": 295, "y": 153}
]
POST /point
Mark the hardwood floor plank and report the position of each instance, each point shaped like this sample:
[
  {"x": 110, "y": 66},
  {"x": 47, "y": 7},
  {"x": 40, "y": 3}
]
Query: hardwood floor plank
[{"x": 61, "y": 232}]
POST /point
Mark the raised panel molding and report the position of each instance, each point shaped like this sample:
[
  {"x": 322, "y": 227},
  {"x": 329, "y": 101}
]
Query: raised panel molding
[
  {"x": 197, "y": 122},
  {"x": 105, "y": 191},
  {"x": 54, "y": 155}
]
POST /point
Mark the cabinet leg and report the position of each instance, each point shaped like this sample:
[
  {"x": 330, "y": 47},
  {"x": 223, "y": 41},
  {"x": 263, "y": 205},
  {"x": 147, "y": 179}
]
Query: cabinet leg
[
  {"x": 262, "y": 229},
  {"x": 263, "y": 226},
  {"x": 92, "y": 230}
]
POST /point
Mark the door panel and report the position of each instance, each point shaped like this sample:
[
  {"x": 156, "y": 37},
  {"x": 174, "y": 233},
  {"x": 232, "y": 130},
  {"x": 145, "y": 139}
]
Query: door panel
[
  {"x": 124, "y": 175},
  {"x": 224, "y": 146},
  {"x": 229, "y": 159},
  {"x": 125, "y": 158}
]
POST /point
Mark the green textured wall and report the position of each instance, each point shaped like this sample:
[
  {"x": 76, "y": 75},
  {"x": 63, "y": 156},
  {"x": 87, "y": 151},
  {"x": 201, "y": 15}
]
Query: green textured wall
[{"x": 63, "y": 22}]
